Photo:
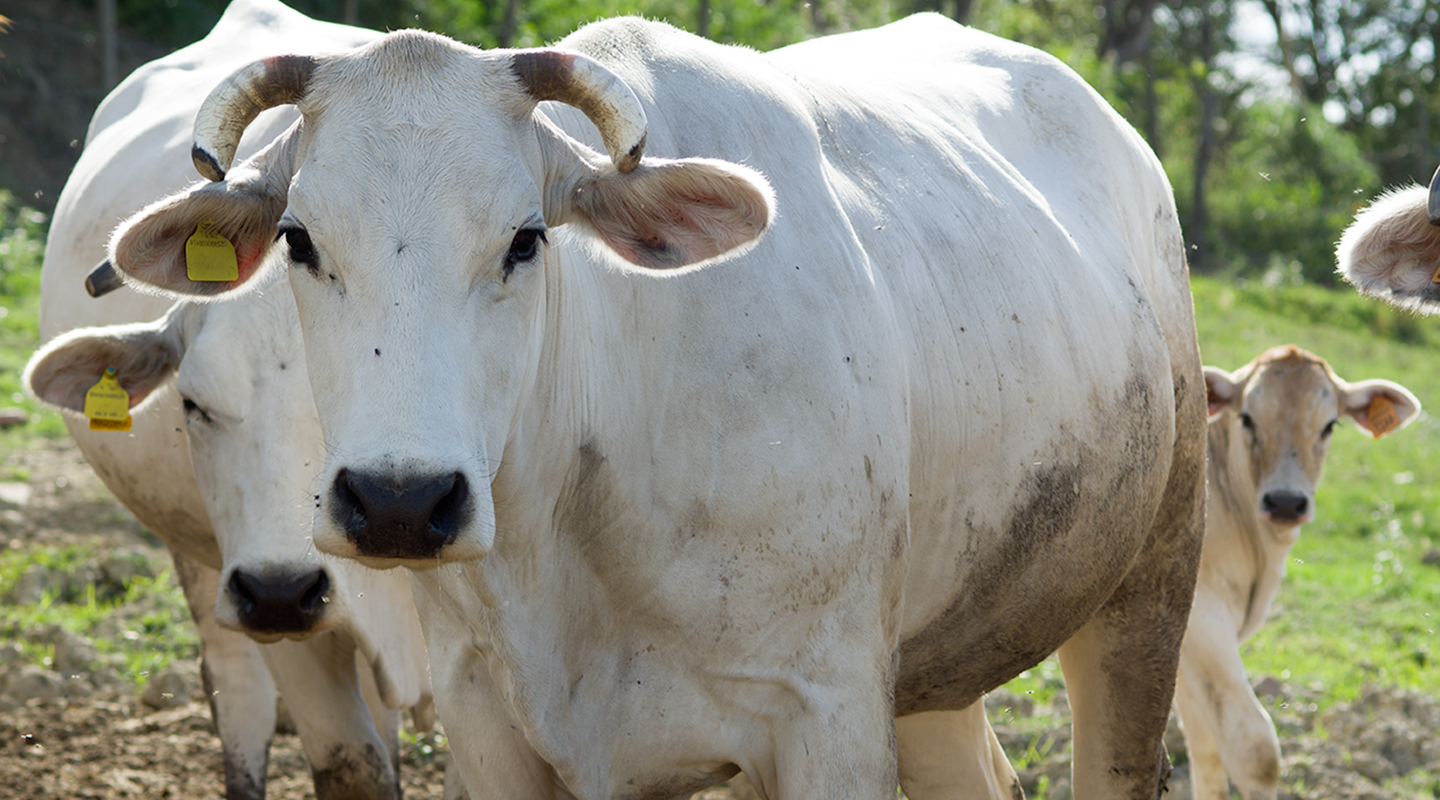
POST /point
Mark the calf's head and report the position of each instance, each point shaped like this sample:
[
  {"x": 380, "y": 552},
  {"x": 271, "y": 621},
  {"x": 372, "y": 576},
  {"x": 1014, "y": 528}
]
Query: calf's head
[
  {"x": 422, "y": 200},
  {"x": 1279, "y": 412}
]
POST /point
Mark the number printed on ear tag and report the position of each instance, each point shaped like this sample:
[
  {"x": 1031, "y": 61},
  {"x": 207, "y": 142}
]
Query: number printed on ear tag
[
  {"x": 107, "y": 406},
  {"x": 1382, "y": 416},
  {"x": 210, "y": 256}
]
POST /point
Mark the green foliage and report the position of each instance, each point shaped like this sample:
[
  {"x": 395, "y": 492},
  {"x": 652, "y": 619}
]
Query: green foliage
[
  {"x": 22, "y": 246},
  {"x": 1281, "y": 195}
]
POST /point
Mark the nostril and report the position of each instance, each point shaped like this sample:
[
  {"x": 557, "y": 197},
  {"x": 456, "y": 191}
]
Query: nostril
[
  {"x": 243, "y": 592},
  {"x": 1285, "y": 506},
  {"x": 349, "y": 508},
  {"x": 315, "y": 594},
  {"x": 449, "y": 509}
]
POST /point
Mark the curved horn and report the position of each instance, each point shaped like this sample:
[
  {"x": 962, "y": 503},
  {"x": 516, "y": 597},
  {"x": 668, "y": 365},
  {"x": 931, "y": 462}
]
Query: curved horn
[
  {"x": 237, "y": 101},
  {"x": 1432, "y": 205},
  {"x": 582, "y": 82},
  {"x": 103, "y": 280}
]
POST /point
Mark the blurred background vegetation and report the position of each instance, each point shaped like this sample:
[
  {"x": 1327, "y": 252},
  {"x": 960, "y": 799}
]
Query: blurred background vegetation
[{"x": 1276, "y": 119}]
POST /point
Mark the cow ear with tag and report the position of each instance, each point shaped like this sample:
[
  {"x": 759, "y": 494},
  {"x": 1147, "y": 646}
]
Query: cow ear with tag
[
  {"x": 1379, "y": 406},
  {"x": 212, "y": 239},
  {"x": 1221, "y": 391},
  {"x": 63, "y": 372}
]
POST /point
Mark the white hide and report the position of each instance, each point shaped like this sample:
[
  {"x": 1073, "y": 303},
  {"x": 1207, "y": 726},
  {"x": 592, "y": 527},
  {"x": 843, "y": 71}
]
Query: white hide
[
  {"x": 258, "y": 458},
  {"x": 944, "y": 413},
  {"x": 1292, "y": 400}
]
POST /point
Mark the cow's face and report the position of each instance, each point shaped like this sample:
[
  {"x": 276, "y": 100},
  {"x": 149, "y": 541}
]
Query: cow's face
[
  {"x": 254, "y": 441},
  {"x": 419, "y": 205},
  {"x": 1282, "y": 410}
]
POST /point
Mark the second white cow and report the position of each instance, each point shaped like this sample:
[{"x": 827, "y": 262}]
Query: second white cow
[
  {"x": 1270, "y": 428},
  {"x": 220, "y": 469}
]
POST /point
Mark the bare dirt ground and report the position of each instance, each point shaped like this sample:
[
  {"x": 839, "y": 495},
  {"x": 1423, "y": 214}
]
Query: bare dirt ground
[{"x": 85, "y": 732}]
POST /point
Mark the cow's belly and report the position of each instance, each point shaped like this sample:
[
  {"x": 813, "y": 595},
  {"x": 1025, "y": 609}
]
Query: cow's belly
[{"x": 1029, "y": 502}]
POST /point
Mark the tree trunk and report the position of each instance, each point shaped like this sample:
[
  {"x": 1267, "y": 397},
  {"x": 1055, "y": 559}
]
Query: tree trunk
[
  {"x": 509, "y": 24},
  {"x": 109, "y": 48},
  {"x": 702, "y": 24}
]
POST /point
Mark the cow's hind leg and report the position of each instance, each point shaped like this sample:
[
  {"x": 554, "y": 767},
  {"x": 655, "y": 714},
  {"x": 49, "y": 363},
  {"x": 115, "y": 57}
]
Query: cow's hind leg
[
  {"x": 237, "y": 684},
  {"x": 1120, "y": 666},
  {"x": 321, "y": 687},
  {"x": 953, "y": 755}
]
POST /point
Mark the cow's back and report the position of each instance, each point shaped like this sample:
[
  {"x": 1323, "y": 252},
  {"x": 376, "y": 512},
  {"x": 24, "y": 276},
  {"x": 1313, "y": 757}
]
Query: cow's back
[{"x": 137, "y": 151}]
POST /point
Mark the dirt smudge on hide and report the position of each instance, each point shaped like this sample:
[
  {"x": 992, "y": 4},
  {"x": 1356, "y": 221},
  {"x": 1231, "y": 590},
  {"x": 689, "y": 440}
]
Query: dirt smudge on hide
[{"x": 984, "y": 637}]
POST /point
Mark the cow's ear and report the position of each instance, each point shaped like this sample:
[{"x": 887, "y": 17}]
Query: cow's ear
[
  {"x": 143, "y": 355},
  {"x": 150, "y": 248},
  {"x": 667, "y": 214},
  {"x": 1357, "y": 400},
  {"x": 1221, "y": 391}
]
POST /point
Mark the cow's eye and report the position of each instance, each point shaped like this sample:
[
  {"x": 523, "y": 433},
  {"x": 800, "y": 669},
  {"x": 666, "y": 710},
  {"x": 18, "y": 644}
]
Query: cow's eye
[
  {"x": 302, "y": 250},
  {"x": 523, "y": 247},
  {"x": 1329, "y": 429},
  {"x": 1247, "y": 422},
  {"x": 194, "y": 411}
]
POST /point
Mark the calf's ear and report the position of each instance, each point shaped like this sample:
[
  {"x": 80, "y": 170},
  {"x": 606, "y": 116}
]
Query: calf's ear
[
  {"x": 1221, "y": 391},
  {"x": 149, "y": 248},
  {"x": 143, "y": 355},
  {"x": 1357, "y": 400},
  {"x": 665, "y": 214}
]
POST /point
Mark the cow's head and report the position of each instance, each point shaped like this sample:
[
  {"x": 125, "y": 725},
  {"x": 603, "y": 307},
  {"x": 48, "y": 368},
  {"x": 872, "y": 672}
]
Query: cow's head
[
  {"x": 1392, "y": 249},
  {"x": 419, "y": 200},
  {"x": 1281, "y": 410},
  {"x": 254, "y": 441}
]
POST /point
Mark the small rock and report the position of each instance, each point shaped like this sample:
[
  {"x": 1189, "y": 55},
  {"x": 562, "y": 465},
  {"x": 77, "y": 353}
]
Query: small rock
[
  {"x": 1372, "y": 766},
  {"x": 120, "y": 568},
  {"x": 34, "y": 584},
  {"x": 74, "y": 654},
  {"x": 34, "y": 682},
  {"x": 16, "y": 494},
  {"x": 1270, "y": 686},
  {"x": 10, "y": 417},
  {"x": 79, "y": 580},
  {"x": 171, "y": 687}
]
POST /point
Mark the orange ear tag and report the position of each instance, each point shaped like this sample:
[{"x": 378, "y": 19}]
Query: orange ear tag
[
  {"x": 1436, "y": 277},
  {"x": 1382, "y": 416},
  {"x": 107, "y": 406},
  {"x": 210, "y": 256}
]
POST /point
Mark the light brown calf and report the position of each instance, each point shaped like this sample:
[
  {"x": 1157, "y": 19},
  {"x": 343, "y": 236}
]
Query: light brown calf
[{"x": 1270, "y": 427}]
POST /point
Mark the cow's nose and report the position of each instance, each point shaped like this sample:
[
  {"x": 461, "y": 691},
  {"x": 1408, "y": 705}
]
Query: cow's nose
[
  {"x": 1282, "y": 506},
  {"x": 388, "y": 516},
  {"x": 280, "y": 602}
]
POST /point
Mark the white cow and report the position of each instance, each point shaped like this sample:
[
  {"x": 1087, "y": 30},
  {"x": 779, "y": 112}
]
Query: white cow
[
  {"x": 945, "y": 417},
  {"x": 1270, "y": 427},
  {"x": 1392, "y": 249},
  {"x": 236, "y": 520}
]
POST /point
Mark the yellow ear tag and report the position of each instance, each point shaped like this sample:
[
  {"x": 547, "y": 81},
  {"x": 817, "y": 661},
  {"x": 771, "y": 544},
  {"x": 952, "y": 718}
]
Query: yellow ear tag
[
  {"x": 1436, "y": 277},
  {"x": 107, "y": 405},
  {"x": 210, "y": 256},
  {"x": 1382, "y": 416}
]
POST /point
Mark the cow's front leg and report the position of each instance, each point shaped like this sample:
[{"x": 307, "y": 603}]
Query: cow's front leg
[
  {"x": 953, "y": 755},
  {"x": 318, "y": 679},
  {"x": 237, "y": 684},
  {"x": 1226, "y": 728}
]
